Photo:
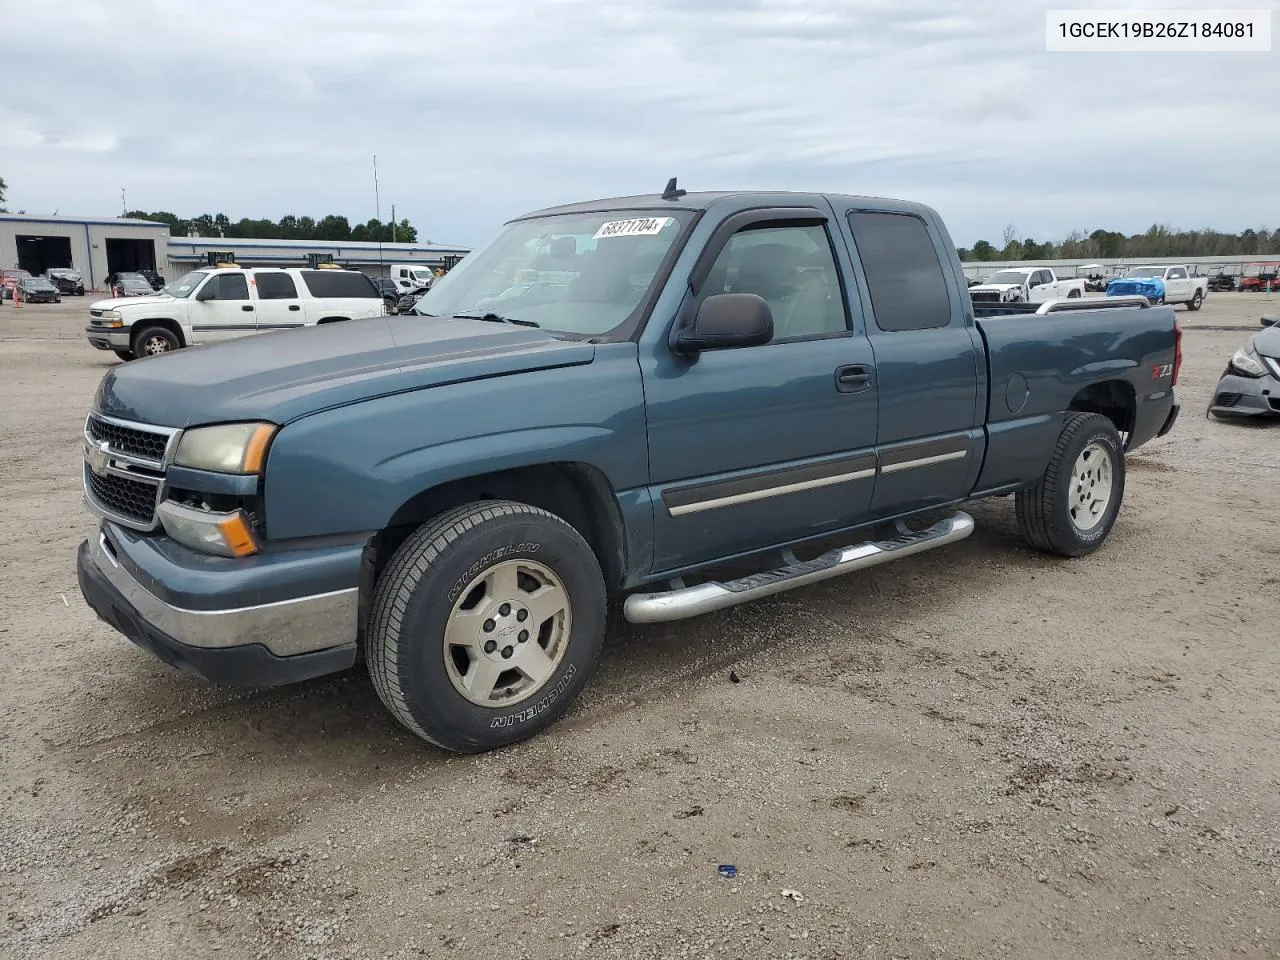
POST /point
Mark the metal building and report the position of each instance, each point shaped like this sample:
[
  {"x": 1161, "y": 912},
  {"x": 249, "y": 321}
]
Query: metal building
[{"x": 93, "y": 246}]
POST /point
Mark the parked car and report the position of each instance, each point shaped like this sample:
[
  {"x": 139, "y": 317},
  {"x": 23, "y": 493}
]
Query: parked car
[
  {"x": 1162, "y": 284},
  {"x": 9, "y": 281},
  {"x": 1025, "y": 285},
  {"x": 209, "y": 306},
  {"x": 410, "y": 276},
  {"x": 66, "y": 280},
  {"x": 154, "y": 279},
  {"x": 389, "y": 291},
  {"x": 129, "y": 285},
  {"x": 1260, "y": 277},
  {"x": 409, "y": 299},
  {"x": 1250, "y": 385},
  {"x": 457, "y": 495},
  {"x": 38, "y": 290}
]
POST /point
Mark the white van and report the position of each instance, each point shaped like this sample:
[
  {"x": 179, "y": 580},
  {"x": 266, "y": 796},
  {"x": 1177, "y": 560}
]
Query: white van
[
  {"x": 213, "y": 305},
  {"x": 411, "y": 276}
]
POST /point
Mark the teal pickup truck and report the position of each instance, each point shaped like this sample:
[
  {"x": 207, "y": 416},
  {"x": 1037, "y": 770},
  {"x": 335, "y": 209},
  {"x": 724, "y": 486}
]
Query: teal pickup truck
[{"x": 611, "y": 399}]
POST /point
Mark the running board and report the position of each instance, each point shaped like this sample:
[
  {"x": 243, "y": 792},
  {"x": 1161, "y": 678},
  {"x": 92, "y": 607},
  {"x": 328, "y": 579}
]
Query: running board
[{"x": 694, "y": 601}]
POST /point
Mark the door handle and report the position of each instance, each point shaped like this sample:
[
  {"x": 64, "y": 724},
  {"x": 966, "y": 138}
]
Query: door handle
[
  {"x": 853, "y": 378},
  {"x": 294, "y": 306},
  {"x": 247, "y": 308}
]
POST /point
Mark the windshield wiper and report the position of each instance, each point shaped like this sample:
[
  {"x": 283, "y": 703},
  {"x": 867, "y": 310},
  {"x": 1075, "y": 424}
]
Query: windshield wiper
[{"x": 496, "y": 318}]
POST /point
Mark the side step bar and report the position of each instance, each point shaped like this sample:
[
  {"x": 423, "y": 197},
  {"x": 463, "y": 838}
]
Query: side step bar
[{"x": 694, "y": 601}]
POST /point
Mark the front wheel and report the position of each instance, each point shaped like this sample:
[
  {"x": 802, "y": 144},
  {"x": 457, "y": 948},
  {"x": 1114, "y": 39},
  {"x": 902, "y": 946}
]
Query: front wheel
[
  {"x": 153, "y": 341},
  {"x": 1196, "y": 301},
  {"x": 485, "y": 625},
  {"x": 1073, "y": 507}
]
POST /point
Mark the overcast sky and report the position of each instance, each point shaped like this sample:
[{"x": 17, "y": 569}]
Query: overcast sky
[{"x": 482, "y": 109}]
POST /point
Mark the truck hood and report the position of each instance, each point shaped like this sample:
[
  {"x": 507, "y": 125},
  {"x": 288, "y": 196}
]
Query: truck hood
[
  {"x": 113, "y": 303},
  {"x": 288, "y": 374}
]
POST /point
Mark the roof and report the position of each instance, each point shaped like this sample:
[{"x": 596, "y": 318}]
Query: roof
[
  {"x": 363, "y": 246},
  {"x": 82, "y": 221},
  {"x": 704, "y": 200}
]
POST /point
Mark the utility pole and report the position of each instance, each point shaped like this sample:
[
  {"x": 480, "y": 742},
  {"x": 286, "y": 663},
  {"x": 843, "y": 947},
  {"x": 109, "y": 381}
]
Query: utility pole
[
  {"x": 393, "y": 223},
  {"x": 124, "y": 206},
  {"x": 377, "y": 206}
]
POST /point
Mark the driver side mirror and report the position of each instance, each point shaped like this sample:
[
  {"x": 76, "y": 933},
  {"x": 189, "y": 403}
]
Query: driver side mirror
[{"x": 726, "y": 320}]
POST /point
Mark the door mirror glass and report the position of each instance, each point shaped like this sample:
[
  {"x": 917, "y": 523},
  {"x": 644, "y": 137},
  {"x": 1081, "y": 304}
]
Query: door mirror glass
[{"x": 727, "y": 320}]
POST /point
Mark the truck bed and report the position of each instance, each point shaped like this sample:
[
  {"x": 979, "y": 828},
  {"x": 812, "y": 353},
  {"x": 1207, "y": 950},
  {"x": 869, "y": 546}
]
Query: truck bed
[{"x": 1095, "y": 353}]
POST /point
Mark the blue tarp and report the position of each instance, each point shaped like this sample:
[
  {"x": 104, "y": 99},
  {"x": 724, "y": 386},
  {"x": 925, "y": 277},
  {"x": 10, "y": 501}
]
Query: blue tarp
[{"x": 1152, "y": 289}]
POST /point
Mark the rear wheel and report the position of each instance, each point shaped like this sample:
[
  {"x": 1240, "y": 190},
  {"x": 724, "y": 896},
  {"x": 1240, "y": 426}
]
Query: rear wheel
[
  {"x": 1073, "y": 294},
  {"x": 152, "y": 341},
  {"x": 1196, "y": 300},
  {"x": 1072, "y": 509},
  {"x": 485, "y": 625}
]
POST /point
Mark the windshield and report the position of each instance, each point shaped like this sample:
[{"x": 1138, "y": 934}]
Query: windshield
[
  {"x": 422, "y": 276},
  {"x": 16, "y": 273},
  {"x": 583, "y": 273},
  {"x": 1007, "y": 276},
  {"x": 37, "y": 283},
  {"x": 182, "y": 289},
  {"x": 64, "y": 272},
  {"x": 1147, "y": 273}
]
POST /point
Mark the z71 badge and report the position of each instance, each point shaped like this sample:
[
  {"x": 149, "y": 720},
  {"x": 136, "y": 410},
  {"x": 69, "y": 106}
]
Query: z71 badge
[{"x": 1161, "y": 371}]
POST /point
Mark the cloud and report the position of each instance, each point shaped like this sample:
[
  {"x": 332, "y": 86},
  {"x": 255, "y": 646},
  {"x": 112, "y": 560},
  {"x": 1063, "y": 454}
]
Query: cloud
[{"x": 480, "y": 111}]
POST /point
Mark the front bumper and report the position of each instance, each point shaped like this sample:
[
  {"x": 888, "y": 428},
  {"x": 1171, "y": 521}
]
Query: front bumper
[
  {"x": 108, "y": 338},
  {"x": 263, "y": 645},
  {"x": 1237, "y": 396}
]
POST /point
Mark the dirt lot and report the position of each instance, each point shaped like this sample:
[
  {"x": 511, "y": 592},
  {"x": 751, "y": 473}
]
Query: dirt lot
[{"x": 978, "y": 752}]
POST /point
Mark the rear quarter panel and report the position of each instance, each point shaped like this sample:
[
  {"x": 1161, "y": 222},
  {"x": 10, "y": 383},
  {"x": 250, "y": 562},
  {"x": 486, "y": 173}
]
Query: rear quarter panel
[{"x": 1039, "y": 364}]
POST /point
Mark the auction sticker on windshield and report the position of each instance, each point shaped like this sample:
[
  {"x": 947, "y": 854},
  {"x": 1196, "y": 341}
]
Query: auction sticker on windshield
[{"x": 642, "y": 227}]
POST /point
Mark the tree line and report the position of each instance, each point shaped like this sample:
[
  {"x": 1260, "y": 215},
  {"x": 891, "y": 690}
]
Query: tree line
[
  {"x": 290, "y": 227},
  {"x": 1158, "y": 241}
]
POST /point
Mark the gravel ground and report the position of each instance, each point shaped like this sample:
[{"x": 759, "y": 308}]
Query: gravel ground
[{"x": 977, "y": 752}]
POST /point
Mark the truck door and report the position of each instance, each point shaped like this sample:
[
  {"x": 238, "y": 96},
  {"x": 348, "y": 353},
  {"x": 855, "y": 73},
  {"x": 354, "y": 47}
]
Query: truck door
[
  {"x": 278, "y": 307},
  {"x": 1043, "y": 286},
  {"x": 753, "y": 446},
  {"x": 222, "y": 309},
  {"x": 1177, "y": 285},
  {"x": 930, "y": 371}
]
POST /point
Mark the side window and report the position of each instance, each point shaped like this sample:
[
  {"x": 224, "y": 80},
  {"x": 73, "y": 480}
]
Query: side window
[
  {"x": 275, "y": 286},
  {"x": 229, "y": 286},
  {"x": 1177, "y": 273},
  {"x": 793, "y": 269},
  {"x": 1044, "y": 276},
  {"x": 904, "y": 275}
]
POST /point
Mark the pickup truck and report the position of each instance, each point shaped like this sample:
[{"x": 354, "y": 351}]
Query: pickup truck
[
  {"x": 1168, "y": 284},
  {"x": 1024, "y": 285},
  {"x": 793, "y": 385},
  {"x": 210, "y": 306}
]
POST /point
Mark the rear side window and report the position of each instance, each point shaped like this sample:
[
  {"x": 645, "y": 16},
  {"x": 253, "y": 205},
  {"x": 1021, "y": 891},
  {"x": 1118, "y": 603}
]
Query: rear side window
[
  {"x": 275, "y": 286},
  {"x": 904, "y": 275},
  {"x": 345, "y": 284}
]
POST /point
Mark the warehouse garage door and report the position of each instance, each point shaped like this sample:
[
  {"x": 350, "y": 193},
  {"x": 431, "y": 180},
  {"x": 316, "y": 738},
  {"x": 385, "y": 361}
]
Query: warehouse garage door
[
  {"x": 38, "y": 254},
  {"x": 126, "y": 256}
]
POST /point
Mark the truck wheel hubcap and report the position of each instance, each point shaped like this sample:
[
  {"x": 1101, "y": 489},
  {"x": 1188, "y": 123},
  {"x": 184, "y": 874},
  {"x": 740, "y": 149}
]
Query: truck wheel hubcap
[
  {"x": 153, "y": 345},
  {"x": 1090, "y": 487},
  {"x": 507, "y": 633}
]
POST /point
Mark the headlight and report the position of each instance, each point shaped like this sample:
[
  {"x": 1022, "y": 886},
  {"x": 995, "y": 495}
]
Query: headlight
[
  {"x": 1246, "y": 362},
  {"x": 110, "y": 314},
  {"x": 227, "y": 448}
]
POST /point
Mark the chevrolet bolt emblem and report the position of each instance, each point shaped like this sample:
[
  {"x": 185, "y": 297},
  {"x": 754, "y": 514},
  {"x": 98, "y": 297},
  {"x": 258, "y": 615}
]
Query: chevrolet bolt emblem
[{"x": 97, "y": 456}]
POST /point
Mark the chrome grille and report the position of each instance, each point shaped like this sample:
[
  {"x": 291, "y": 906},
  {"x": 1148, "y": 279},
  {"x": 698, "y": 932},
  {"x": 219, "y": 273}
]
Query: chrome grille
[
  {"x": 124, "y": 469},
  {"x": 125, "y": 498}
]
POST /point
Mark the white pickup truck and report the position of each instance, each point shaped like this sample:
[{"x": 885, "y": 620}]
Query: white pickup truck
[
  {"x": 209, "y": 306},
  {"x": 1181, "y": 285},
  {"x": 1025, "y": 285}
]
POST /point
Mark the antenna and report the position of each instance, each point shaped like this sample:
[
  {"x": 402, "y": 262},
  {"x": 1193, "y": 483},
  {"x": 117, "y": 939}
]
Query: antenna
[
  {"x": 377, "y": 206},
  {"x": 671, "y": 193}
]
